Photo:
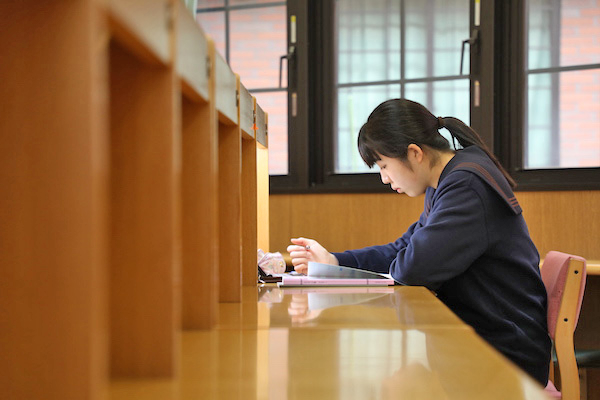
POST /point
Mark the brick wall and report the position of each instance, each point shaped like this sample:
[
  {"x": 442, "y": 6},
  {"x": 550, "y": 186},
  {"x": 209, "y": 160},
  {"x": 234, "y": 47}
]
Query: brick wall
[
  {"x": 580, "y": 90},
  {"x": 258, "y": 38}
]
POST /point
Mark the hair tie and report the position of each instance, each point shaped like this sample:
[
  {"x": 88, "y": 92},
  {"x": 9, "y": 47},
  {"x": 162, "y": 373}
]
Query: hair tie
[{"x": 441, "y": 122}]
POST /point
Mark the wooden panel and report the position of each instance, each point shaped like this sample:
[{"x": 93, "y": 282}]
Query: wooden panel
[
  {"x": 144, "y": 26},
  {"x": 230, "y": 183},
  {"x": 230, "y": 218},
  {"x": 192, "y": 54},
  {"x": 226, "y": 92},
  {"x": 200, "y": 209},
  {"x": 263, "y": 214},
  {"x": 262, "y": 171},
  {"x": 249, "y": 182},
  {"x": 567, "y": 221},
  {"x": 564, "y": 221},
  {"x": 200, "y": 213},
  {"x": 144, "y": 228},
  {"x": 53, "y": 182},
  {"x": 342, "y": 221},
  {"x": 249, "y": 212},
  {"x": 246, "y": 111}
]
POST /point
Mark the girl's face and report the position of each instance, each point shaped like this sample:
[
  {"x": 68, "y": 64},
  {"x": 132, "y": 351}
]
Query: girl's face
[{"x": 400, "y": 177}]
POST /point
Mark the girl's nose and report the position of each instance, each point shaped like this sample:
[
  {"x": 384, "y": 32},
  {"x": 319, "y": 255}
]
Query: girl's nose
[{"x": 384, "y": 177}]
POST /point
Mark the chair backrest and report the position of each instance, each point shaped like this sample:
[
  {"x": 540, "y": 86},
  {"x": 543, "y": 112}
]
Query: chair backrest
[{"x": 564, "y": 276}]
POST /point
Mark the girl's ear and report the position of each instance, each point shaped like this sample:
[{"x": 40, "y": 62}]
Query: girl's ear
[{"x": 415, "y": 152}]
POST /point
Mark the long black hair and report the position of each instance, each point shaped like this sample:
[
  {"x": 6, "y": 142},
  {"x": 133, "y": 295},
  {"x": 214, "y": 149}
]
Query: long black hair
[{"x": 397, "y": 123}]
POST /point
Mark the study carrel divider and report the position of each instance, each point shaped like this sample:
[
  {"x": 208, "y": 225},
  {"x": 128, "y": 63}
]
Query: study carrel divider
[
  {"x": 53, "y": 207},
  {"x": 144, "y": 225},
  {"x": 249, "y": 182},
  {"x": 200, "y": 250},
  {"x": 230, "y": 183},
  {"x": 262, "y": 168},
  {"x": 120, "y": 165}
]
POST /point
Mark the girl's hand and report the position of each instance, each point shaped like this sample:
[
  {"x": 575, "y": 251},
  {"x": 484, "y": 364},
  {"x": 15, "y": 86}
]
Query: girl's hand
[{"x": 304, "y": 250}]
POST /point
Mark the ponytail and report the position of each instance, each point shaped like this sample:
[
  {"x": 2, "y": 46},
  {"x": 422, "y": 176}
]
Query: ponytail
[
  {"x": 466, "y": 136},
  {"x": 396, "y": 123}
]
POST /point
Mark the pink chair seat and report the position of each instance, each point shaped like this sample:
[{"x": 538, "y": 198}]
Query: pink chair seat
[{"x": 552, "y": 391}]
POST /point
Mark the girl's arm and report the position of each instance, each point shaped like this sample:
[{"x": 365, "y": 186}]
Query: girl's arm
[
  {"x": 454, "y": 236},
  {"x": 378, "y": 258}
]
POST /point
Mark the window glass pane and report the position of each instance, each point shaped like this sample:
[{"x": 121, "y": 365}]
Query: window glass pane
[
  {"x": 435, "y": 30},
  {"x": 443, "y": 99},
  {"x": 368, "y": 34},
  {"x": 213, "y": 24},
  {"x": 276, "y": 105},
  {"x": 563, "y": 115},
  {"x": 563, "y": 120},
  {"x": 354, "y": 106},
  {"x": 369, "y": 49},
  {"x": 573, "y": 24},
  {"x": 258, "y": 39}
]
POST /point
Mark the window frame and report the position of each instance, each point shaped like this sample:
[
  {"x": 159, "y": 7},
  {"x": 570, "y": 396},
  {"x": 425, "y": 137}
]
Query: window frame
[
  {"x": 499, "y": 117},
  {"x": 510, "y": 119},
  {"x": 297, "y": 178},
  {"x": 297, "y": 163},
  {"x": 320, "y": 176}
]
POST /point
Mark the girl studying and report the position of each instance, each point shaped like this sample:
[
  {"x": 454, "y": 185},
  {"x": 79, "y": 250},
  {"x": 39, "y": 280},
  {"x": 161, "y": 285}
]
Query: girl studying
[{"x": 471, "y": 245}]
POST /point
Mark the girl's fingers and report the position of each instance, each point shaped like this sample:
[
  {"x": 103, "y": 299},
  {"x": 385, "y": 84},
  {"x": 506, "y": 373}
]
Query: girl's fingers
[
  {"x": 299, "y": 261},
  {"x": 301, "y": 241},
  {"x": 299, "y": 254},
  {"x": 293, "y": 248},
  {"x": 301, "y": 269}
]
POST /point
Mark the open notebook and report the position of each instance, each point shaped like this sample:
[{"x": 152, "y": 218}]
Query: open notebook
[{"x": 336, "y": 275}]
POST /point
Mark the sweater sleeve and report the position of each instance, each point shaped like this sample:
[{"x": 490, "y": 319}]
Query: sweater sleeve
[
  {"x": 454, "y": 236},
  {"x": 378, "y": 258}
]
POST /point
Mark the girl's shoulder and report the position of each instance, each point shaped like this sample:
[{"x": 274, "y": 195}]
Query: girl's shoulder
[{"x": 482, "y": 177}]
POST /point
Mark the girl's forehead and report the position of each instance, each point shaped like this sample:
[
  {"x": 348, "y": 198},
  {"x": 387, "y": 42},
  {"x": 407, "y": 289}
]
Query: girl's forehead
[{"x": 383, "y": 158}]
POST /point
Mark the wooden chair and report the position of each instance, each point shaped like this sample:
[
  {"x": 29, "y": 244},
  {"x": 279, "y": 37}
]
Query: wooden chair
[{"x": 564, "y": 276}]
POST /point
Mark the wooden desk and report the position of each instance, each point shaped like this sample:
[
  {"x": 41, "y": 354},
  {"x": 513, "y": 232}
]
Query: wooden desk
[{"x": 388, "y": 347}]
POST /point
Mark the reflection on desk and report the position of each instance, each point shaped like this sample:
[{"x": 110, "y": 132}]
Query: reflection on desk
[
  {"x": 298, "y": 363},
  {"x": 399, "y": 344},
  {"x": 385, "y": 307}
]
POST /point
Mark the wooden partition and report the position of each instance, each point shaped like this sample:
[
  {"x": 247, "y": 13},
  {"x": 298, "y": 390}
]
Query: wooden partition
[
  {"x": 144, "y": 231},
  {"x": 230, "y": 183},
  {"x": 144, "y": 26},
  {"x": 120, "y": 188},
  {"x": 262, "y": 167},
  {"x": 568, "y": 221},
  {"x": 246, "y": 118},
  {"x": 53, "y": 183},
  {"x": 199, "y": 184}
]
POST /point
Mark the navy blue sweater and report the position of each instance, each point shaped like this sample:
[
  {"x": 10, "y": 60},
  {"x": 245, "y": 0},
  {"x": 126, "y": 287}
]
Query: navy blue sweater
[{"x": 472, "y": 247}]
